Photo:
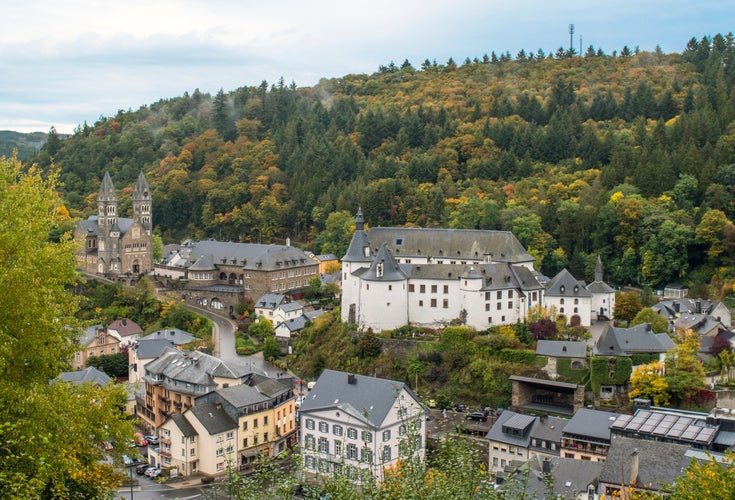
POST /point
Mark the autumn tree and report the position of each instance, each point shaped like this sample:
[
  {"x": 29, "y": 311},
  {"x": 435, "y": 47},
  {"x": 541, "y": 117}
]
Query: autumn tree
[
  {"x": 648, "y": 381},
  {"x": 50, "y": 433},
  {"x": 627, "y": 305},
  {"x": 684, "y": 373}
]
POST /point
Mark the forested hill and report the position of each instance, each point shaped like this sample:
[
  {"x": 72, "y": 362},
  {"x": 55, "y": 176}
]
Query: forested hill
[{"x": 630, "y": 156}]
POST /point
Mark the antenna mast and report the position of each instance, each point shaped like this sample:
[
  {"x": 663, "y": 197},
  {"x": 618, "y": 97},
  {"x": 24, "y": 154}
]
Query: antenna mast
[{"x": 571, "y": 40}]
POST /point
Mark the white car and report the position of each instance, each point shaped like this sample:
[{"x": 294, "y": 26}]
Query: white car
[{"x": 298, "y": 401}]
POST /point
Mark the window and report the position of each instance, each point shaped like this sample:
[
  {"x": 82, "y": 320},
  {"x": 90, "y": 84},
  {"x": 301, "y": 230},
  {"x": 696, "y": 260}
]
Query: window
[
  {"x": 422, "y": 288},
  {"x": 352, "y": 433},
  {"x": 445, "y": 304},
  {"x": 255, "y": 423},
  {"x": 421, "y": 303},
  {"x": 352, "y": 451},
  {"x": 487, "y": 307},
  {"x": 386, "y": 435},
  {"x": 337, "y": 447},
  {"x": 265, "y": 437},
  {"x": 386, "y": 454},
  {"x": 446, "y": 288},
  {"x": 230, "y": 435},
  {"x": 499, "y": 306},
  {"x": 192, "y": 452},
  {"x": 220, "y": 466},
  {"x": 265, "y": 420},
  {"x": 510, "y": 294},
  {"x": 219, "y": 452},
  {"x": 309, "y": 442},
  {"x": 510, "y": 305},
  {"x": 576, "y": 301},
  {"x": 323, "y": 445},
  {"x": 410, "y": 288},
  {"x": 309, "y": 424},
  {"x": 433, "y": 288},
  {"x": 433, "y": 302},
  {"x": 337, "y": 430},
  {"x": 366, "y": 455},
  {"x": 367, "y": 436},
  {"x": 401, "y": 430},
  {"x": 500, "y": 294},
  {"x": 323, "y": 427},
  {"x": 309, "y": 462},
  {"x": 245, "y": 442}
]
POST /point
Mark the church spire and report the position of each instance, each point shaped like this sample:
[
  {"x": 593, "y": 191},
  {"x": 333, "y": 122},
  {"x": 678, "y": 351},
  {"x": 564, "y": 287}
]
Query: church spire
[
  {"x": 359, "y": 220},
  {"x": 598, "y": 269}
]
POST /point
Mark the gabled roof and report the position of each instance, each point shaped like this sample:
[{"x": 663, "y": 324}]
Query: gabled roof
[
  {"x": 90, "y": 374},
  {"x": 368, "y": 399},
  {"x": 184, "y": 425},
  {"x": 566, "y": 285},
  {"x": 89, "y": 334},
  {"x": 153, "y": 348},
  {"x": 174, "y": 335},
  {"x": 599, "y": 287},
  {"x": 213, "y": 418},
  {"x": 89, "y": 225},
  {"x": 561, "y": 349},
  {"x": 204, "y": 262},
  {"x": 253, "y": 256},
  {"x": 290, "y": 307},
  {"x": 570, "y": 478},
  {"x": 294, "y": 324},
  {"x": 242, "y": 395},
  {"x": 125, "y": 327},
  {"x": 270, "y": 301},
  {"x": 658, "y": 462},
  {"x": 591, "y": 423},
  {"x": 549, "y": 428},
  {"x": 699, "y": 323},
  {"x": 626, "y": 341}
]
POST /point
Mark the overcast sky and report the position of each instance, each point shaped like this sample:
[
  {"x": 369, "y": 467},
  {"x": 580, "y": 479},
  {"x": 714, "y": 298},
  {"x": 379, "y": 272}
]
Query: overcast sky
[{"x": 66, "y": 62}]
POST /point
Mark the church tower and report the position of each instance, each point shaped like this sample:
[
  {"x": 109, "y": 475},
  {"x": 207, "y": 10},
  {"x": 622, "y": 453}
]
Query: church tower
[
  {"x": 108, "y": 232},
  {"x": 142, "y": 204}
]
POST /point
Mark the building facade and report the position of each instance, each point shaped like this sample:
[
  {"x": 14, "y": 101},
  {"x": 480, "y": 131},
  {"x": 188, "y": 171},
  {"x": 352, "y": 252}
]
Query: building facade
[{"x": 113, "y": 246}]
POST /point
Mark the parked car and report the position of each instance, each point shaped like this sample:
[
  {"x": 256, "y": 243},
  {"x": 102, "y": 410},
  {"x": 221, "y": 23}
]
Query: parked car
[
  {"x": 152, "y": 470},
  {"x": 460, "y": 407},
  {"x": 155, "y": 473},
  {"x": 151, "y": 439},
  {"x": 142, "y": 468},
  {"x": 299, "y": 401},
  {"x": 479, "y": 416}
]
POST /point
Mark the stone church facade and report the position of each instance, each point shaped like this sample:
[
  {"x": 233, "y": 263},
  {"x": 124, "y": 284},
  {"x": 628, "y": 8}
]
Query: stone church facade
[{"x": 117, "y": 247}]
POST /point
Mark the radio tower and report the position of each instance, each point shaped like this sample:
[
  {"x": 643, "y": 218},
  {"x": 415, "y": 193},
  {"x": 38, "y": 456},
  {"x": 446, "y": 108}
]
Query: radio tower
[{"x": 571, "y": 40}]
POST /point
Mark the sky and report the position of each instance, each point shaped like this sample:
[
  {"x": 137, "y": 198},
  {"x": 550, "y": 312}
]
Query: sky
[{"x": 63, "y": 63}]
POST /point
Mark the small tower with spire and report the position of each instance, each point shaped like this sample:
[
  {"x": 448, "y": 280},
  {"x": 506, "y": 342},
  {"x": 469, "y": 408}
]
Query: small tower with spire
[
  {"x": 107, "y": 228},
  {"x": 142, "y": 203}
]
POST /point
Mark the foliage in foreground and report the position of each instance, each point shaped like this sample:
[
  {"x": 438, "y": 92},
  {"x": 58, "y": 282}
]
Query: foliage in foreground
[{"x": 51, "y": 435}]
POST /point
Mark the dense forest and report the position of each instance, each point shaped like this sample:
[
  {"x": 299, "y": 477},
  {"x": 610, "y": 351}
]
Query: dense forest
[{"x": 629, "y": 155}]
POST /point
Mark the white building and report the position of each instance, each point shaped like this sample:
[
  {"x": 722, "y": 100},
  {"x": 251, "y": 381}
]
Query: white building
[
  {"x": 392, "y": 277},
  {"x": 569, "y": 297},
  {"x": 357, "y": 425}
]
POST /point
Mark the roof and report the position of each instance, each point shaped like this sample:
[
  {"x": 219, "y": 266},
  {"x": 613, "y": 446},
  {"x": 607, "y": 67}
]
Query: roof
[
  {"x": 290, "y": 307},
  {"x": 669, "y": 425},
  {"x": 561, "y": 349},
  {"x": 324, "y": 257},
  {"x": 359, "y": 249},
  {"x": 173, "y": 335},
  {"x": 566, "y": 285},
  {"x": 543, "y": 382},
  {"x": 194, "y": 367},
  {"x": 125, "y": 327},
  {"x": 591, "y": 423},
  {"x": 459, "y": 244},
  {"x": 213, "y": 417},
  {"x": 294, "y": 324},
  {"x": 368, "y": 399},
  {"x": 152, "y": 348},
  {"x": 89, "y": 225},
  {"x": 512, "y": 420},
  {"x": 570, "y": 478},
  {"x": 248, "y": 255},
  {"x": 270, "y": 301},
  {"x": 90, "y": 374},
  {"x": 242, "y": 395},
  {"x": 599, "y": 287},
  {"x": 626, "y": 341},
  {"x": 658, "y": 462},
  {"x": 384, "y": 267},
  {"x": 549, "y": 428},
  {"x": 89, "y": 334},
  {"x": 184, "y": 425}
]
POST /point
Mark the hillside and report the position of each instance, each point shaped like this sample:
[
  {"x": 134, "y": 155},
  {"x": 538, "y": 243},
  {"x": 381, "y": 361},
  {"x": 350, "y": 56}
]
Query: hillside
[
  {"x": 630, "y": 156},
  {"x": 26, "y": 145}
]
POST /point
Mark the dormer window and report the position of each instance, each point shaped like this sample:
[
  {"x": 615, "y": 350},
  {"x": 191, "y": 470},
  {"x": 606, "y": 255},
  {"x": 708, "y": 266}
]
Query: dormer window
[
  {"x": 379, "y": 270},
  {"x": 562, "y": 289}
]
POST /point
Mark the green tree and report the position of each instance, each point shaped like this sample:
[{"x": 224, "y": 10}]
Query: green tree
[
  {"x": 627, "y": 305},
  {"x": 261, "y": 329},
  {"x": 684, "y": 373},
  {"x": 711, "y": 231},
  {"x": 658, "y": 323},
  {"x": 271, "y": 349},
  {"x": 49, "y": 433},
  {"x": 114, "y": 365}
]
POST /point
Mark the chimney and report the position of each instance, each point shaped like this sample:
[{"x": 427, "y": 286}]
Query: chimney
[
  {"x": 288, "y": 242},
  {"x": 633, "y": 467},
  {"x": 124, "y": 322},
  {"x": 648, "y": 327},
  {"x": 351, "y": 379},
  {"x": 218, "y": 404}
]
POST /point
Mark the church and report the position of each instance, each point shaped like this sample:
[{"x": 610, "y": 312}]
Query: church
[{"x": 119, "y": 248}]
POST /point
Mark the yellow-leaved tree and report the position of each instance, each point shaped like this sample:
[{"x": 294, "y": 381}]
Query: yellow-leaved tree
[{"x": 51, "y": 432}]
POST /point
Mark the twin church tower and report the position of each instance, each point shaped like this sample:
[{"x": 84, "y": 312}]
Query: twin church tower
[{"x": 117, "y": 246}]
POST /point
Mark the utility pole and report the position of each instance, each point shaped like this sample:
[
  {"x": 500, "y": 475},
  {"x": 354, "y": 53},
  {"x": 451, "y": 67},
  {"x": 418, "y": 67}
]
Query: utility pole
[{"x": 571, "y": 40}]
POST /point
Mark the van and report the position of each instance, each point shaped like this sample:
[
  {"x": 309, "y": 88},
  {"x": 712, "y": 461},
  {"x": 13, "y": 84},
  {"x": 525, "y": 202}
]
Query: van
[{"x": 310, "y": 385}]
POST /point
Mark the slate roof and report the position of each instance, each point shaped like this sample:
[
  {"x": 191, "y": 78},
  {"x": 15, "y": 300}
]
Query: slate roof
[
  {"x": 384, "y": 267},
  {"x": 516, "y": 421},
  {"x": 658, "y": 462},
  {"x": 173, "y": 335},
  {"x": 561, "y": 349},
  {"x": 90, "y": 374},
  {"x": 591, "y": 423},
  {"x": 213, "y": 418},
  {"x": 184, "y": 425},
  {"x": 455, "y": 244},
  {"x": 153, "y": 348},
  {"x": 626, "y": 341},
  {"x": 294, "y": 324},
  {"x": 670, "y": 308},
  {"x": 89, "y": 334},
  {"x": 249, "y": 255},
  {"x": 125, "y": 327},
  {"x": 368, "y": 399},
  {"x": 193, "y": 367},
  {"x": 324, "y": 257},
  {"x": 359, "y": 249},
  {"x": 549, "y": 428},
  {"x": 599, "y": 287},
  {"x": 89, "y": 225},
  {"x": 242, "y": 395},
  {"x": 570, "y": 478},
  {"x": 566, "y": 285},
  {"x": 699, "y": 323},
  {"x": 270, "y": 301},
  {"x": 290, "y": 307}
]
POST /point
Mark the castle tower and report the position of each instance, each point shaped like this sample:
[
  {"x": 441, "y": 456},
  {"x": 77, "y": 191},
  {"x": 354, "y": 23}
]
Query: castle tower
[
  {"x": 107, "y": 229},
  {"x": 142, "y": 203}
]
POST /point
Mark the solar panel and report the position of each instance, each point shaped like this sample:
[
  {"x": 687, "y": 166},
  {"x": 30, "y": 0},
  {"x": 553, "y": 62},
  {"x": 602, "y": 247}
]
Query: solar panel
[
  {"x": 690, "y": 432},
  {"x": 705, "y": 435},
  {"x": 647, "y": 427}
]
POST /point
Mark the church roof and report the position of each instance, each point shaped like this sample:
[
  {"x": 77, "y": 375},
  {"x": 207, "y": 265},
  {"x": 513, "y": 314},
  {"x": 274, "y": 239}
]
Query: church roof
[{"x": 107, "y": 190}]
